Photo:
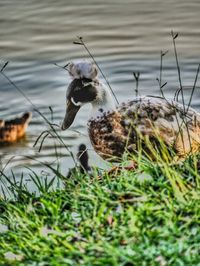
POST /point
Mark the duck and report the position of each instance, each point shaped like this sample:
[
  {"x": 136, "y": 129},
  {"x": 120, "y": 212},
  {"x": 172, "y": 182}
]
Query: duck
[
  {"x": 145, "y": 122},
  {"x": 14, "y": 129},
  {"x": 83, "y": 167}
]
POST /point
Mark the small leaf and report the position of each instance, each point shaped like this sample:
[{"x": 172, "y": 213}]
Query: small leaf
[
  {"x": 12, "y": 256},
  {"x": 66, "y": 65},
  {"x": 174, "y": 36},
  {"x": 79, "y": 43},
  {"x": 4, "y": 66},
  {"x": 123, "y": 242},
  {"x": 110, "y": 220},
  {"x": 3, "y": 228},
  {"x": 164, "y": 85},
  {"x": 136, "y": 75},
  {"x": 164, "y": 53}
]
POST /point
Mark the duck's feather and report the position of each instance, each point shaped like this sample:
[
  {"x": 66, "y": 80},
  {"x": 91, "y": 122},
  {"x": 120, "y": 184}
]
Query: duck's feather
[
  {"x": 83, "y": 69},
  {"x": 150, "y": 119}
]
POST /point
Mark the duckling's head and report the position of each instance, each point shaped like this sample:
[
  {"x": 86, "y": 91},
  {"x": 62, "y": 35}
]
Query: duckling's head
[
  {"x": 83, "y": 157},
  {"x": 27, "y": 116}
]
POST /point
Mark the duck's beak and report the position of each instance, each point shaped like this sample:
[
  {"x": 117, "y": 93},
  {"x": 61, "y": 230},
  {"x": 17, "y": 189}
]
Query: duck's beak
[{"x": 70, "y": 114}]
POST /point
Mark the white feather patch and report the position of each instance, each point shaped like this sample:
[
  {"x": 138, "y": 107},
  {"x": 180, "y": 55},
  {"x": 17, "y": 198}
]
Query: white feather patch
[
  {"x": 83, "y": 69},
  {"x": 76, "y": 103}
]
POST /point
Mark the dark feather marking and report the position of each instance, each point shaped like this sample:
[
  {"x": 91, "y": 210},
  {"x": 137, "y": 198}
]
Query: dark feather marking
[
  {"x": 112, "y": 133},
  {"x": 80, "y": 92}
]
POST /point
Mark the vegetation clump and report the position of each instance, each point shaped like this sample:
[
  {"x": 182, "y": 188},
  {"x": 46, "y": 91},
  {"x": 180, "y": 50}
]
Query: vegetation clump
[{"x": 149, "y": 216}]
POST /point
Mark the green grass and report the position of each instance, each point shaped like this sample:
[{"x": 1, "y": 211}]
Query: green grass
[{"x": 150, "y": 216}]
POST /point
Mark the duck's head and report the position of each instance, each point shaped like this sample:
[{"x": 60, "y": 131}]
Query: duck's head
[
  {"x": 79, "y": 92},
  {"x": 83, "y": 91},
  {"x": 85, "y": 88}
]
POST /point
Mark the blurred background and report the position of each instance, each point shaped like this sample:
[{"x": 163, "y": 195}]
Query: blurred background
[{"x": 124, "y": 36}]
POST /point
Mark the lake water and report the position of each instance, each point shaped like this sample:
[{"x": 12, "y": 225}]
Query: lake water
[{"x": 124, "y": 36}]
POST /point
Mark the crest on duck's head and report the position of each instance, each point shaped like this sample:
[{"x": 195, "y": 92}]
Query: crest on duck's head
[{"x": 83, "y": 69}]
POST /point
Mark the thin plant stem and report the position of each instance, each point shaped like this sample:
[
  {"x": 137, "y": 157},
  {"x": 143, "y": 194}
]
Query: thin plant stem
[
  {"x": 180, "y": 83},
  {"x": 136, "y": 76},
  {"x": 193, "y": 89},
  {"x": 81, "y": 42},
  {"x": 178, "y": 67},
  {"x": 162, "y": 54}
]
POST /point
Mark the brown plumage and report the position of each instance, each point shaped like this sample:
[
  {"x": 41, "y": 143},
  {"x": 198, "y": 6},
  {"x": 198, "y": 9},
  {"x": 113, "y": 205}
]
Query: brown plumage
[
  {"x": 12, "y": 130},
  {"x": 151, "y": 120}
]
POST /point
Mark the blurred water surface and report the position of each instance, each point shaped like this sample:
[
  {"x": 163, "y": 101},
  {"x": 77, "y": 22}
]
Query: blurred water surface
[{"x": 124, "y": 36}]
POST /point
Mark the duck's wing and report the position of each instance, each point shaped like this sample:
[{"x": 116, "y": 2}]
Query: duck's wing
[
  {"x": 161, "y": 120},
  {"x": 143, "y": 120}
]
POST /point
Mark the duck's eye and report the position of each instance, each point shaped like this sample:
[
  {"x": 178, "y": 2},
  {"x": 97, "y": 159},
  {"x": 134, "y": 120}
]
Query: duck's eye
[{"x": 75, "y": 103}]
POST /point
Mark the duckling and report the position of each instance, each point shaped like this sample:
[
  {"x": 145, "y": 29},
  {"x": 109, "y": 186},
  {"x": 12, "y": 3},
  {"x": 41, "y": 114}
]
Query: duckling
[
  {"x": 115, "y": 130},
  {"x": 83, "y": 158},
  {"x": 13, "y": 130}
]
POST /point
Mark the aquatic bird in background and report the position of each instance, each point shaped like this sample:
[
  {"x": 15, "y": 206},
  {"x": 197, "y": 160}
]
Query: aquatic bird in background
[
  {"x": 144, "y": 122},
  {"x": 14, "y": 129}
]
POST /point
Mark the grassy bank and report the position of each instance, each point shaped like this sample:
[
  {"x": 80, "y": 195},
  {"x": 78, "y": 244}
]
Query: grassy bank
[{"x": 149, "y": 216}]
